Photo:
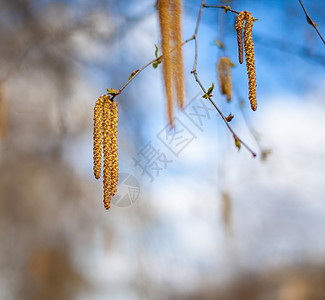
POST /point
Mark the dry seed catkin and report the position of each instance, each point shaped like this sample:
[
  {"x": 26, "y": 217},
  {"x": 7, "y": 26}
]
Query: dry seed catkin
[
  {"x": 107, "y": 173},
  {"x": 239, "y": 28},
  {"x": 224, "y": 75},
  {"x": 250, "y": 58},
  {"x": 97, "y": 150}
]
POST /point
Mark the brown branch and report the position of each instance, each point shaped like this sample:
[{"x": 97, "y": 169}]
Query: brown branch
[
  {"x": 225, "y": 7},
  {"x": 235, "y": 136},
  {"x": 263, "y": 152},
  {"x": 311, "y": 22},
  {"x": 136, "y": 72},
  {"x": 194, "y": 72}
]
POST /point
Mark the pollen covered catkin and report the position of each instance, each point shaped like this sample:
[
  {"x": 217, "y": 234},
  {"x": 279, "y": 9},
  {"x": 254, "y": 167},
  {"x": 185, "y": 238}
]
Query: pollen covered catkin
[
  {"x": 170, "y": 13},
  {"x": 224, "y": 75},
  {"x": 105, "y": 140},
  {"x": 114, "y": 156},
  {"x": 250, "y": 58},
  {"x": 239, "y": 28},
  {"x": 165, "y": 28},
  {"x": 107, "y": 149},
  {"x": 179, "y": 54},
  {"x": 97, "y": 150}
]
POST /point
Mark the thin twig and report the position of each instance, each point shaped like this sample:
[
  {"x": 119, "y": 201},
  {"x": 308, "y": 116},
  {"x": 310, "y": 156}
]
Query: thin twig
[
  {"x": 263, "y": 151},
  {"x": 195, "y": 34},
  {"x": 194, "y": 72},
  {"x": 225, "y": 7},
  {"x": 235, "y": 136},
  {"x": 136, "y": 72},
  {"x": 311, "y": 22}
]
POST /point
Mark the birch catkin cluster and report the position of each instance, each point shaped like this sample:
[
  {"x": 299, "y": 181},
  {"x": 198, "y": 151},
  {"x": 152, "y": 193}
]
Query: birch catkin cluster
[
  {"x": 224, "y": 76},
  {"x": 170, "y": 12},
  {"x": 249, "y": 52},
  {"x": 105, "y": 142}
]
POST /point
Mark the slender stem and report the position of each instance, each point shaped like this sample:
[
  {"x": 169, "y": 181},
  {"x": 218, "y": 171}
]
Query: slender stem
[
  {"x": 195, "y": 35},
  {"x": 311, "y": 22},
  {"x": 225, "y": 7},
  {"x": 136, "y": 72},
  {"x": 194, "y": 72},
  {"x": 235, "y": 136},
  {"x": 199, "y": 18}
]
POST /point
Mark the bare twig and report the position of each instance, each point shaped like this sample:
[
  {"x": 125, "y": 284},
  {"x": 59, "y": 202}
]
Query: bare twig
[
  {"x": 136, "y": 72},
  {"x": 195, "y": 35},
  {"x": 225, "y": 7},
  {"x": 289, "y": 48},
  {"x": 235, "y": 136},
  {"x": 311, "y": 22},
  {"x": 264, "y": 152},
  {"x": 194, "y": 72}
]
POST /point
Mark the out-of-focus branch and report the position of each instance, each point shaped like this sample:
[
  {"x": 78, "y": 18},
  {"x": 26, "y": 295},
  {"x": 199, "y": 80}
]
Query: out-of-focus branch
[
  {"x": 290, "y": 48},
  {"x": 311, "y": 22}
]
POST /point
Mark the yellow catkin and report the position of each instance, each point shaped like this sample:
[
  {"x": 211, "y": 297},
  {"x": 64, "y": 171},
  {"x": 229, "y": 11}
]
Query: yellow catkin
[
  {"x": 97, "y": 150},
  {"x": 114, "y": 156},
  {"x": 226, "y": 213},
  {"x": 239, "y": 28},
  {"x": 250, "y": 59},
  {"x": 166, "y": 31},
  {"x": 179, "y": 78},
  {"x": 224, "y": 76},
  {"x": 107, "y": 173},
  {"x": 105, "y": 140},
  {"x": 3, "y": 113}
]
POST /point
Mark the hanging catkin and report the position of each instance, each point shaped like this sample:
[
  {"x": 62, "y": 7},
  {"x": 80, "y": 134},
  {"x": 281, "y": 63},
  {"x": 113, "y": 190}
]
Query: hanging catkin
[
  {"x": 107, "y": 149},
  {"x": 179, "y": 54},
  {"x": 239, "y": 28},
  {"x": 3, "y": 113},
  {"x": 224, "y": 76},
  {"x": 98, "y": 123},
  {"x": 170, "y": 13},
  {"x": 250, "y": 58},
  {"x": 165, "y": 28},
  {"x": 105, "y": 140},
  {"x": 114, "y": 156}
]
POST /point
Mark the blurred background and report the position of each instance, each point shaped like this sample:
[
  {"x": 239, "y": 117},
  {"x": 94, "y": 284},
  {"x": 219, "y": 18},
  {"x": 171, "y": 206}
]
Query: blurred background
[{"x": 199, "y": 219}]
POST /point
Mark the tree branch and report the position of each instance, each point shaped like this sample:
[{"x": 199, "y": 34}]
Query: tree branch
[
  {"x": 136, "y": 72},
  {"x": 311, "y": 22},
  {"x": 194, "y": 72},
  {"x": 225, "y": 7}
]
